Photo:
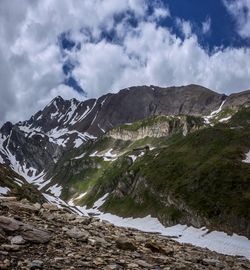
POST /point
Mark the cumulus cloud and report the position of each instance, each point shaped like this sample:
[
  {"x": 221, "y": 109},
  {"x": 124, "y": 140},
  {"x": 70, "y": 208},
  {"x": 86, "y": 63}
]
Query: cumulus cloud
[
  {"x": 142, "y": 52},
  {"x": 150, "y": 54},
  {"x": 240, "y": 10}
]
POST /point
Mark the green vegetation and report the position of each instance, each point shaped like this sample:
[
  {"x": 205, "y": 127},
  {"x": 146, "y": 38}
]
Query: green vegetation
[
  {"x": 193, "y": 120},
  {"x": 204, "y": 171}
]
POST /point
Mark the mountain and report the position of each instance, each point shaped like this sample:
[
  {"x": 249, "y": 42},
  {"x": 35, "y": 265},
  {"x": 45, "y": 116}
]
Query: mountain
[
  {"x": 64, "y": 124},
  {"x": 173, "y": 153}
]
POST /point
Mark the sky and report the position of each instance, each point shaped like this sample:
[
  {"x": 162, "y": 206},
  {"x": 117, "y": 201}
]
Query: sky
[{"x": 86, "y": 48}]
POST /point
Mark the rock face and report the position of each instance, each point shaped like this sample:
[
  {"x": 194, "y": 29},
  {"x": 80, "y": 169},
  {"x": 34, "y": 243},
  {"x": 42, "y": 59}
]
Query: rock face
[
  {"x": 235, "y": 100},
  {"x": 104, "y": 247},
  {"x": 156, "y": 127}
]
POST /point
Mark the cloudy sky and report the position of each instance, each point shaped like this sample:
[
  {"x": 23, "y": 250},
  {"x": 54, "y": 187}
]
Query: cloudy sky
[{"x": 85, "y": 48}]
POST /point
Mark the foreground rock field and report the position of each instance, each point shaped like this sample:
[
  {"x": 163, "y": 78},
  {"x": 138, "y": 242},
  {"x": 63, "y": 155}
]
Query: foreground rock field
[{"x": 34, "y": 236}]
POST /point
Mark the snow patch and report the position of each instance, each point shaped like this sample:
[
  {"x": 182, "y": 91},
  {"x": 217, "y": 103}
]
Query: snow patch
[
  {"x": 78, "y": 142},
  {"x": 108, "y": 156},
  {"x": 101, "y": 128},
  {"x": 70, "y": 113},
  {"x": 225, "y": 119},
  {"x": 214, "y": 113},
  {"x": 100, "y": 201},
  {"x": 56, "y": 190},
  {"x": 71, "y": 201},
  {"x": 81, "y": 156},
  {"x": 19, "y": 182},
  {"x": 133, "y": 157},
  {"x": 247, "y": 159},
  {"x": 4, "y": 190},
  {"x": 94, "y": 154},
  {"x": 81, "y": 196},
  {"x": 54, "y": 200}
]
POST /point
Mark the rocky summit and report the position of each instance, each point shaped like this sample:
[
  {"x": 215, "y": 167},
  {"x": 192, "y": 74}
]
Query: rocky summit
[{"x": 43, "y": 236}]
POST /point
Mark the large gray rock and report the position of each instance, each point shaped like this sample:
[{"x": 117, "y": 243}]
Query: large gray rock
[
  {"x": 9, "y": 224},
  {"x": 35, "y": 235},
  {"x": 78, "y": 234},
  {"x": 28, "y": 232}
]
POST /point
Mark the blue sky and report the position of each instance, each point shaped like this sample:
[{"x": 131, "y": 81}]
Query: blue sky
[
  {"x": 86, "y": 48},
  {"x": 223, "y": 30}
]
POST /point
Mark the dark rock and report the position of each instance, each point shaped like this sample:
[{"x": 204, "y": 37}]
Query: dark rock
[
  {"x": 213, "y": 262},
  {"x": 155, "y": 247},
  {"x": 36, "y": 235},
  {"x": 125, "y": 244},
  {"x": 10, "y": 247}
]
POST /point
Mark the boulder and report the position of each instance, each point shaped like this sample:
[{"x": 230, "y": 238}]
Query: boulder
[
  {"x": 126, "y": 244},
  {"x": 78, "y": 234}
]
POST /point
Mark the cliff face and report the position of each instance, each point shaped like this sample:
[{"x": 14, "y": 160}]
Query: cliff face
[
  {"x": 156, "y": 127},
  {"x": 234, "y": 101}
]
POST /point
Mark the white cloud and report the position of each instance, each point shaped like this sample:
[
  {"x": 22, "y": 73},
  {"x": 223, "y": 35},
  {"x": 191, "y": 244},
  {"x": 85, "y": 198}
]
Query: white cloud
[
  {"x": 206, "y": 26},
  {"x": 240, "y": 10},
  {"x": 153, "y": 55},
  {"x": 31, "y": 59},
  {"x": 31, "y": 62},
  {"x": 185, "y": 27}
]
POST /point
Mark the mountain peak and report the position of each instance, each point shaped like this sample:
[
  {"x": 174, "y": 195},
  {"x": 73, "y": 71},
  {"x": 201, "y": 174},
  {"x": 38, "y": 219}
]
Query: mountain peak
[{"x": 57, "y": 99}]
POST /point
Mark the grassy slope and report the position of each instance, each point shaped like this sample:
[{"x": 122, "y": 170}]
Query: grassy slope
[
  {"x": 204, "y": 170},
  {"x": 79, "y": 175}
]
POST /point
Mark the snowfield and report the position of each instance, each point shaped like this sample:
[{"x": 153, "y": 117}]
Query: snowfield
[
  {"x": 201, "y": 237},
  {"x": 214, "y": 113}
]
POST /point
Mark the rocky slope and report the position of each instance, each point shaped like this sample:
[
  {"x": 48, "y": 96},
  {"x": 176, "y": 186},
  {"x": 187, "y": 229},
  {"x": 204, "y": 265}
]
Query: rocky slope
[{"x": 35, "y": 236}]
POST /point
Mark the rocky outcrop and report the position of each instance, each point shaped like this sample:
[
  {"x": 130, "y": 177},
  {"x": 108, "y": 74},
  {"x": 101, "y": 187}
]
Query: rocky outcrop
[
  {"x": 73, "y": 242},
  {"x": 162, "y": 126}
]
